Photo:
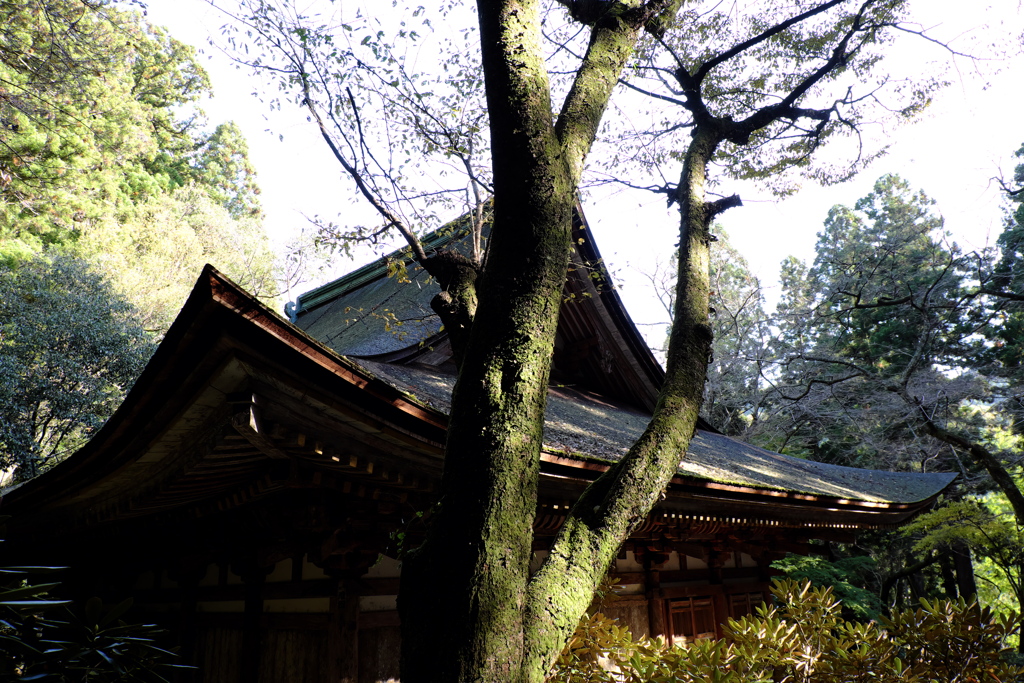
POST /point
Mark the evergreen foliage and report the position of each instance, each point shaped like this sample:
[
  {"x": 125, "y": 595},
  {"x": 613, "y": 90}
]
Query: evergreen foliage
[
  {"x": 881, "y": 305},
  {"x": 154, "y": 256},
  {"x": 102, "y": 134},
  {"x": 89, "y": 105},
  {"x": 1007, "y": 348},
  {"x": 846, "y": 576},
  {"x": 113, "y": 195},
  {"x": 803, "y": 638},
  {"x": 740, "y": 333},
  {"x": 69, "y": 351},
  {"x": 46, "y": 639}
]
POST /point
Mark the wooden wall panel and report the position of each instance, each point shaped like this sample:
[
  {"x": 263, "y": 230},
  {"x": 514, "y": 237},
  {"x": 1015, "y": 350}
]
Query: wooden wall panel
[
  {"x": 632, "y": 614},
  {"x": 218, "y": 654},
  {"x": 293, "y": 656},
  {"x": 379, "y": 654}
]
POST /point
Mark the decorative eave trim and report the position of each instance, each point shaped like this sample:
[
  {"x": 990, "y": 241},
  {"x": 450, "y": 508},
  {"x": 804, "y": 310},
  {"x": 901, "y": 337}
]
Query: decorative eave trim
[
  {"x": 588, "y": 470},
  {"x": 230, "y": 296}
]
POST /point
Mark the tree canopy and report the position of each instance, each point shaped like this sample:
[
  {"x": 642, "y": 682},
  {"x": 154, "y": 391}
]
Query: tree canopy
[
  {"x": 113, "y": 194},
  {"x": 102, "y": 127},
  {"x": 878, "y": 310},
  {"x": 89, "y": 105},
  {"x": 69, "y": 350},
  {"x": 414, "y": 141}
]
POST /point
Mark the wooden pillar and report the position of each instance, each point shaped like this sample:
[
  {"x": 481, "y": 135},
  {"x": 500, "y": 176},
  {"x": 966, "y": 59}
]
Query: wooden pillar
[
  {"x": 656, "y": 606},
  {"x": 253, "y": 577},
  {"x": 721, "y": 602},
  {"x": 657, "y": 623},
  {"x": 188, "y": 575},
  {"x": 716, "y": 560},
  {"x": 765, "y": 572},
  {"x": 344, "y": 636},
  {"x": 717, "y": 557},
  {"x": 764, "y": 561}
]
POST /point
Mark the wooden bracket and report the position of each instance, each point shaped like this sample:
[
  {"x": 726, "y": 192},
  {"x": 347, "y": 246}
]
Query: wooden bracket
[{"x": 248, "y": 424}]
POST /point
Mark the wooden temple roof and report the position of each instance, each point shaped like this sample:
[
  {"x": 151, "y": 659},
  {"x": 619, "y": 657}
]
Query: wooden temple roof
[
  {"x": 369, "y": 314},
  {"x": 606, "y": 379},
  {"x": 588, "y": 426},
  {"x": 238, "y": 406}
]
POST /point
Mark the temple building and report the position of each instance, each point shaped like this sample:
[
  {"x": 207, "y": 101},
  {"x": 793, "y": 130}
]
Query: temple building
[{"x": 255, "y": 489}]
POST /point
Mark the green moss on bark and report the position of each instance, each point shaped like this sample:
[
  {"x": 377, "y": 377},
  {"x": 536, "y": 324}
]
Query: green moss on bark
[{"x": 472, "y": 572}]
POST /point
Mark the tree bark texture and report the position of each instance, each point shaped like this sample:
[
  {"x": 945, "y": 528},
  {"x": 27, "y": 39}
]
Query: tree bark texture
[
  {"x": 457, "y": 302},
  {"x": 469, "y": 610},
  {"x": 612, "y": 506},
  {"x": 463, "y": 590},
  {"x": 964, "y": 569}
]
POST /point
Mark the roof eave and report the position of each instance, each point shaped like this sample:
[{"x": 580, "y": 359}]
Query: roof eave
[
  {"x": 205, "y": 332},
  {"x": 774, "y": 503}
]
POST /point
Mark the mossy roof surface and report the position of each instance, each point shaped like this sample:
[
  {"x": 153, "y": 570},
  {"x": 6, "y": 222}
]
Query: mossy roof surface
[
  {"x": 384, "y": 306},
  {"x": 585, "y": 424},
  {"x": 376, "y": 315}
]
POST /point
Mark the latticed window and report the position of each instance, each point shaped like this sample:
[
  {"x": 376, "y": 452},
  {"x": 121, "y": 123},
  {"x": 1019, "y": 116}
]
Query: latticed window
[
  {"x": 742, "y": 604},
  {"x": 692, "y": 618}
]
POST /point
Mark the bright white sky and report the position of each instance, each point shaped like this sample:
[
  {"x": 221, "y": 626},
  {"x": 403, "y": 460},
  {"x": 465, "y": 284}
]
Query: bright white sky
[{"x": 966, "y": 138}]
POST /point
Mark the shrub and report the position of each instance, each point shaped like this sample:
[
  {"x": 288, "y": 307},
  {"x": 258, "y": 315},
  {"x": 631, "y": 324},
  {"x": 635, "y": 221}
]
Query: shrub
[
  {"x": 44, "y": 639},
  {"x": 803, "y": 638}
]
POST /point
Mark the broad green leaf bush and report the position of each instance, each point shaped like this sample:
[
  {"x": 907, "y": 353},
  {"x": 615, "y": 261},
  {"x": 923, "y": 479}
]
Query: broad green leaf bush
[
  {"x": 846, "y": 576},
  {"x": 70, "y": 349},
  {"x": 46, "y": 639},
  {"x": 803, "y": 638}
]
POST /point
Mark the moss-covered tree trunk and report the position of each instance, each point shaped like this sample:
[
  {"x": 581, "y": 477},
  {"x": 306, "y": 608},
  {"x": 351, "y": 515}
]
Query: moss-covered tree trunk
[
  {"x": 617, "y": 502},
  {"x": 469, "y": 609},
  {"x": 463, "y": 590}
]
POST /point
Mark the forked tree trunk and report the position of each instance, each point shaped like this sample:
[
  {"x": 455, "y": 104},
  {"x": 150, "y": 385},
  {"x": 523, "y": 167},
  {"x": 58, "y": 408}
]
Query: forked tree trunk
[
  {"x": 463, "y": 591},
  {"x": 470, "y": 611},
  {"x": 614, "y": 505}
]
